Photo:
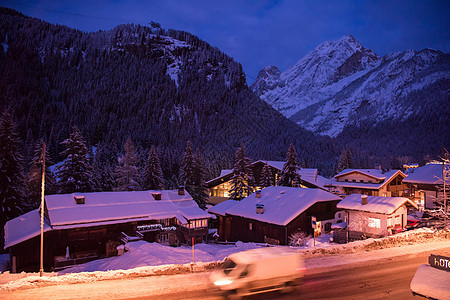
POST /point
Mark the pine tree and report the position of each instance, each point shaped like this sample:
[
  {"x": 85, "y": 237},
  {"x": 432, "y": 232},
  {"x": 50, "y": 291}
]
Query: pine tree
[
  {"x": 12, "y": 181},
  {"x": 104, "y": 164},
  {"x": 35, "y": 176},
  {"x": 152, "y": 173},
  {"x": 289, "y": 174},
  {"x": 193, "y": 174},
  {"x": 345, "y": 161},
  {"x": 187, "y": 166},
  {"x": 242, "y": 182},
  {"x": 267, "y": 176},
  {"x": 75, "y": 174},
  {"x": 200, "y": 190},
  {"x": 127, "y": 172}
]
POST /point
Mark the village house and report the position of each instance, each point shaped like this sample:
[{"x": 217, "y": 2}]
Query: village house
[
  {"x": 371, "y": 182},
  {"x": 84, "y": 226},
  {"x": 273, "y": 214},
  {"x": 374, "y": 216},
  {"x": 219, "y": 186},
  {"x": 423, "y": 183}
]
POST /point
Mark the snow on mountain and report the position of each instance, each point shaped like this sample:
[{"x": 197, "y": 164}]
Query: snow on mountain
[
  {"x": 341, "y": 83},
  {"x": 269, "y": 78}
]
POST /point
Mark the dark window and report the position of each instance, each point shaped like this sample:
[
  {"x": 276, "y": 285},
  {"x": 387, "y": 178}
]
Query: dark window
[{"x": 228, "y": 266}]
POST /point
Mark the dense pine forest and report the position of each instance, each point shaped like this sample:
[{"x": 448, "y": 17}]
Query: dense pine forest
[{"x": 157, "y": 87}]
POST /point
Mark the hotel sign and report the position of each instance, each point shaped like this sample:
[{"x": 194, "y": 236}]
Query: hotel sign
[{"x": 439, "y": 262}]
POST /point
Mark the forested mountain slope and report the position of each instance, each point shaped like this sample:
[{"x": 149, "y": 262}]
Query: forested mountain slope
[{"x": 160, "y": 87}]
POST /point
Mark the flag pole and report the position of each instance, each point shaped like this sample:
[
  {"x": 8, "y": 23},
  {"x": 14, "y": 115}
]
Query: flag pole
[{"x": 41, "y": 270}]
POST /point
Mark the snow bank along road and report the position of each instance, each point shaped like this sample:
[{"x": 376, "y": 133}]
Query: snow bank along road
[{"x": 376, "y": 274}]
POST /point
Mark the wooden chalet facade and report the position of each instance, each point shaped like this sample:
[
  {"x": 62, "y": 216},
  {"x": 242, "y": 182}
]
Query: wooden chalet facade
[
  {"x": 275, "y": 215},
  {"x": 82, "y": 227},
  {"x": 219, "y": 186},
  {"x": 371, "y": 182},
  {"x": 425, "y": 184}
]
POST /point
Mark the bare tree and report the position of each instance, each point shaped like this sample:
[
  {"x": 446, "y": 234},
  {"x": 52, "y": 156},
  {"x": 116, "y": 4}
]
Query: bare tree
[{"x": 442, "y": 212}]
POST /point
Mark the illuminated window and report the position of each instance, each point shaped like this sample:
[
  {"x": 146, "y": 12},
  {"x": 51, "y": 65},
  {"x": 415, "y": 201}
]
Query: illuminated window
[
  {"x": 374, "y": 223},
  {"x": 250, "y": 226},
  {"x": 389, "y": 222},
  {"x": 397, "y": 220}
]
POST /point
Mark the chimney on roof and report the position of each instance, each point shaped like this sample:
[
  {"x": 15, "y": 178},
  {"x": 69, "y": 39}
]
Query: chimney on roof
[
  {"x": 156, "y": 196},
  {"x": 259, "y": 208},
  {"x": 181, "y": 190},
  {"x": 363, "y": 199},
  {"x": 79, "y": 199},
  {"x": 258, "y": 194},
  {"x": 377, "y": 166}
]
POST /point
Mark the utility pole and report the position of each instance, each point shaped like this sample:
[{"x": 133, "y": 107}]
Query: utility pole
[
  {"x": 41, "y": 270},
  {"x": 444, "y": 177}
]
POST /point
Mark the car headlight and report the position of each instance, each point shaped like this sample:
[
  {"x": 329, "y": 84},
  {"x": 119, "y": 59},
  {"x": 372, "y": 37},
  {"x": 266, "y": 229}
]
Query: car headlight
[{"x": 223, "y": 282}]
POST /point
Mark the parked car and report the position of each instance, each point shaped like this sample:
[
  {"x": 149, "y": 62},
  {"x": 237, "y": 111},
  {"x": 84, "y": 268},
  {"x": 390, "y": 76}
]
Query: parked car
[
  {"x": 259, "y": 270},
  {"x": 412, "y": 224}
]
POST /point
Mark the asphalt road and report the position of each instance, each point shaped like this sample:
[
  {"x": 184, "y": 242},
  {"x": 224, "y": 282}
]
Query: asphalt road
[
  {"x": 389, "y": 279},
  {"x": 385, "y": 279}
]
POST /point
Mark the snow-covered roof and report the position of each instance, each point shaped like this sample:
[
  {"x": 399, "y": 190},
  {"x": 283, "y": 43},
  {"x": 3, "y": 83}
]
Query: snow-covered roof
[
  {"x": 341, "y": 225},
  {"x": 114, "y": 206},
  {"x": 374, "y": 173},
  {"x": 222, "y": 207},
  {"x": 273, "y": 163},
  {"x": 281, "y": 204},
  {"x": 375, "y": 204},
  {"x": 24, "y": 228},
  {"x": 306, "y": 174},
  {"x": 428, "y": 174},
  {"x": 103, "y": 208},
  {"x": 225, "y": 172}
]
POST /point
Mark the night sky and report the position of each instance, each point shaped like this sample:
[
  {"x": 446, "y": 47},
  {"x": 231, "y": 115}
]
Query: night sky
[{"x": 258, "y": 33}]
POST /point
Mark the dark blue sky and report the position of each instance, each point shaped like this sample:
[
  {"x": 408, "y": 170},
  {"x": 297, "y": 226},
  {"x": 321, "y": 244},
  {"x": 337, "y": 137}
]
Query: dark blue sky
[{"x": 259, "y": 33}]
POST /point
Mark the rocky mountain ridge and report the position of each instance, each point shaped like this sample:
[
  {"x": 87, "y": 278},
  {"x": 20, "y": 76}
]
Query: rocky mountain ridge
[{"x": 341, "y": 83}]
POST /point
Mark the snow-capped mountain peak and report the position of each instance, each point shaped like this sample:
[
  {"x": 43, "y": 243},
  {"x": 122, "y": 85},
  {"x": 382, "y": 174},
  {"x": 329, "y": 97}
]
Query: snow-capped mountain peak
[
  {"x": 341, "y": 82},
  {"x": 313, "y": 77}
]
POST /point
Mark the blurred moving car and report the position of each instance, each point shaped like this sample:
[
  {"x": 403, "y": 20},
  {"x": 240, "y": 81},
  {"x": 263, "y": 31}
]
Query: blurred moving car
[
  {"x": 432, "y": 281},
  {"x": 259, "y": 270}
]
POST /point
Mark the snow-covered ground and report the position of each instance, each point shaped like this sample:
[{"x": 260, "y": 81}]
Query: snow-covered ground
[
  {"x": 149, "y": 259},
  {"x": 431, "y": 282}
]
